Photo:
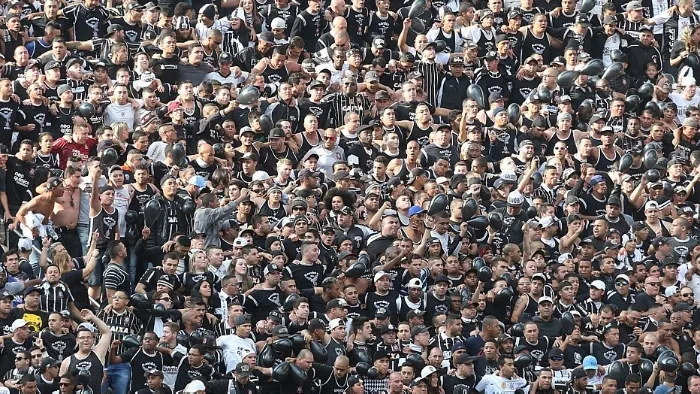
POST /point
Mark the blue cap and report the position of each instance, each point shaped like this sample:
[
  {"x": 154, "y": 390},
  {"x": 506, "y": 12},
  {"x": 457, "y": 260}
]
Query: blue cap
[
  {"x": 458, "y": 346},
  {"x": 198, "y": 181},
  {"x": 415, "y": 210},
  {"x": 596, "y": 179},
  {"x": 590, "y": 362}
]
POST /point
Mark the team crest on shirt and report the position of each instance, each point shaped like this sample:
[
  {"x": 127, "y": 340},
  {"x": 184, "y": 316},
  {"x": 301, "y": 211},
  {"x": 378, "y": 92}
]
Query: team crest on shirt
[
  {"x": 338, "y": 351},
  {"x": 312, "y": 277},
  {"x": 274, "y": 298},
  {"x": 538, "y": 48}
]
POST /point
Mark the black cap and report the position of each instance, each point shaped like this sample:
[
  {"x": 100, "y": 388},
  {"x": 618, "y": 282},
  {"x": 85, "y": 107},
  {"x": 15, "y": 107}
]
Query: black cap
[{"x": 441, "y": 278}]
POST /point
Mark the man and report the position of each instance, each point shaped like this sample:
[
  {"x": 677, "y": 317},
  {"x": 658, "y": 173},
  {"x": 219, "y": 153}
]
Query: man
[
  {"x": 19, "y": 174},
  {"x": 142, "y": 361},
  {"x": 66, "y": 211},
  {"x": 19, "y": 341},
  {"x": 195, "y": 70},
  {"x": 91, "y": 357},
  {"x": 268, "y": 297},
  {"x": 120, "y": 110},
  {"x": 506, "y": 381},
  {"x": 208, "y": 218},
  {"x": 104, "y": 223},
  {"x": 237, "y": 344},
  {"x": 154, "y": 383},
  {"x": 193, "y": 369},
  {"x": 48, "y": 375},
  {"x": 464, "y": 374}
]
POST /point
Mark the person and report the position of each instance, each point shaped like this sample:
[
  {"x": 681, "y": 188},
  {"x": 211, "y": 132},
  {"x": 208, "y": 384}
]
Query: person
[{"x": 89, "y": 355}]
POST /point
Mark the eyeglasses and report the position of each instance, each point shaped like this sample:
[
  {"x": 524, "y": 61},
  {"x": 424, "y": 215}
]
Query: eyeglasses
[
  {"x": 258, "y": 191},
  {"x": 654, "y": 283},
  {"x": 298, "y": 209},
  {"x": 118, "y": 298},
  {"x": 64, "y": 384},
  {"x": 20, "y": 358},
  {"x": 687, "y": 294},
  {"x": 165, "y": 299}
]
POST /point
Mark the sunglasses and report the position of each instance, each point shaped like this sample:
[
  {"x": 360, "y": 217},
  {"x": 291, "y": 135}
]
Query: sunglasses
[
  {"x": 63, "y": 384},
  {"x": 19, "y": 358},
  {"x": 687, "y": 295},
  {"x": 166, "y": 299},
  {"x": 556, "y": 358}
]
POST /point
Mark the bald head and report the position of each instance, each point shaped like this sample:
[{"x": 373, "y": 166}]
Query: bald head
[{"x": 339, "y": 23}]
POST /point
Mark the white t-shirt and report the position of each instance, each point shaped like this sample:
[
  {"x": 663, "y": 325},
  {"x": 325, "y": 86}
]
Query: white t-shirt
[
  {"x": 234, "y": 348},
  {"x": 492, "y": 384}
]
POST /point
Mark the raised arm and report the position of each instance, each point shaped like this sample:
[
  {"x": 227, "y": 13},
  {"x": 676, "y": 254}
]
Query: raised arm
[{"x": 95, "y": 205}]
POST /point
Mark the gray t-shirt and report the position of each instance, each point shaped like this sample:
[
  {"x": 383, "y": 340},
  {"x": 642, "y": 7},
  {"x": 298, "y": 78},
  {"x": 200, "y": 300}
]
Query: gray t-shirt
[{"x": 682, "y": 248}]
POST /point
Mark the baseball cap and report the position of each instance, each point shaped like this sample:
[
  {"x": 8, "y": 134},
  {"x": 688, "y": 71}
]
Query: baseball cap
[
  {"x": 198, "y": 181},
  {"x": 48, "y": 362},
  {"x": 545, "y": 299},
  {"x": 414, "y": 313},
  {"x": 598, "y": 284},
  {"x": 336, "y": 303},
  {"x": 153, "y": 372},
  {"x": 195, "y": 386},
  {"x": 590, "y": 363},
  {"x": 380, "y": 274},
  {"x": 243, "y": 369},
  {"x": 225, "y": 57},
  {"x": 634, "y": 5},
  {"x": 379, "y": 43},
  {"x": 414, "y": 284},
  {"x": 419, "y": 330},
  {"x": 280, "y": 331},
  {"x": 272, "y": 268},
  {"x": 335, "y": 323},
  {"x": 19, "y": 323}
]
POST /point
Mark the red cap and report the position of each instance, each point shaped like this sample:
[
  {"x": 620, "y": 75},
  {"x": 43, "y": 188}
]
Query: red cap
[{"x": 173, "y": 105}]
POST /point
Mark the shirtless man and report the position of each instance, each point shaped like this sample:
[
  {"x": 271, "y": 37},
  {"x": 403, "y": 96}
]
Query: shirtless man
[
  {"x": 66, "y": 212},
  {"x": 41, "y": 204}
]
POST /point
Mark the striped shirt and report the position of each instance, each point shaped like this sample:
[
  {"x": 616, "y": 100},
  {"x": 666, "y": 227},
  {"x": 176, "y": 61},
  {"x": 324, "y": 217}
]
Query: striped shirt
[
  {"x": 116, "y": 278},
  {"x": 121, "y": 325},
  {"x": 432, "y": 76},
  {"x": 342, "y": 104},
  {"x": 56, "y": 297}
]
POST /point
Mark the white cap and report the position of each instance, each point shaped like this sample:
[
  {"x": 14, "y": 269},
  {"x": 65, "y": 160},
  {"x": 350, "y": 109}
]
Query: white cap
[
  {"x": 509, "y": 176},
  {"x": 566, "y": 256},
  {"x": 442, "y": 180},
  {"x": 598, "y": 284},
  {"x": 194, "y": 386},
  {"x": 545, "y": 299},
  {"x": 427, "y": 371},
  {"x": 18, "y": 323},
  {"x": 623, "y": 277},
  {"x": 548, "y": 221},
  {"x": 671, "y": 291},
  {"x": 335, "y": 323},
  {"x": 515, "y": 198},
  {"x": 414, "y": 284},
  {"x": 687, "y": 81},
  {"x": 260, "y": 176},
  {"x": 380, "y": 274},
  {"x": 278, "y": 23},
  {"x": 24, "y": 244},
  {"x": 240, "y": 242}
]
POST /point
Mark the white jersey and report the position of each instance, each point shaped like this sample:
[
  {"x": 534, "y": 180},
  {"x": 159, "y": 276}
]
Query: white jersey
[
  {"x": 492, "y": 384},
  {"x": 235, "y": 348}
]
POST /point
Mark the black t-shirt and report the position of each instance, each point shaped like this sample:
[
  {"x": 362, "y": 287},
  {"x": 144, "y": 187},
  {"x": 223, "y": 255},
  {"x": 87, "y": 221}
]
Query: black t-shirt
[
  {"x": 9, "y": 350},
  {"x": 140, "y": 363},
  {"x": 58, "y": 347},
  {"x": 19, "y": 177}
]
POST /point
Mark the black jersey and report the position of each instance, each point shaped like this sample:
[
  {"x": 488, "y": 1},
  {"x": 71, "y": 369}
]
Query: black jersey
[
  {"x": 87, "y": 23},
  {"x": 92, "y": 364},
  {"x": 58, "y": 346},
  {"x": 106, "y": 225}
]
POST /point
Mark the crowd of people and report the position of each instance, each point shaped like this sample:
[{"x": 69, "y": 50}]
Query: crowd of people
[{"x": 331, "y": 197}]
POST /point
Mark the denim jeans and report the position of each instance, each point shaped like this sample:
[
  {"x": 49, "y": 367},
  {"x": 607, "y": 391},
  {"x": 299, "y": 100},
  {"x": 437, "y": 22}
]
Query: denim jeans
[
  {"x": 84, "y": 234},
  {"x": 118, "y": 378}
]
